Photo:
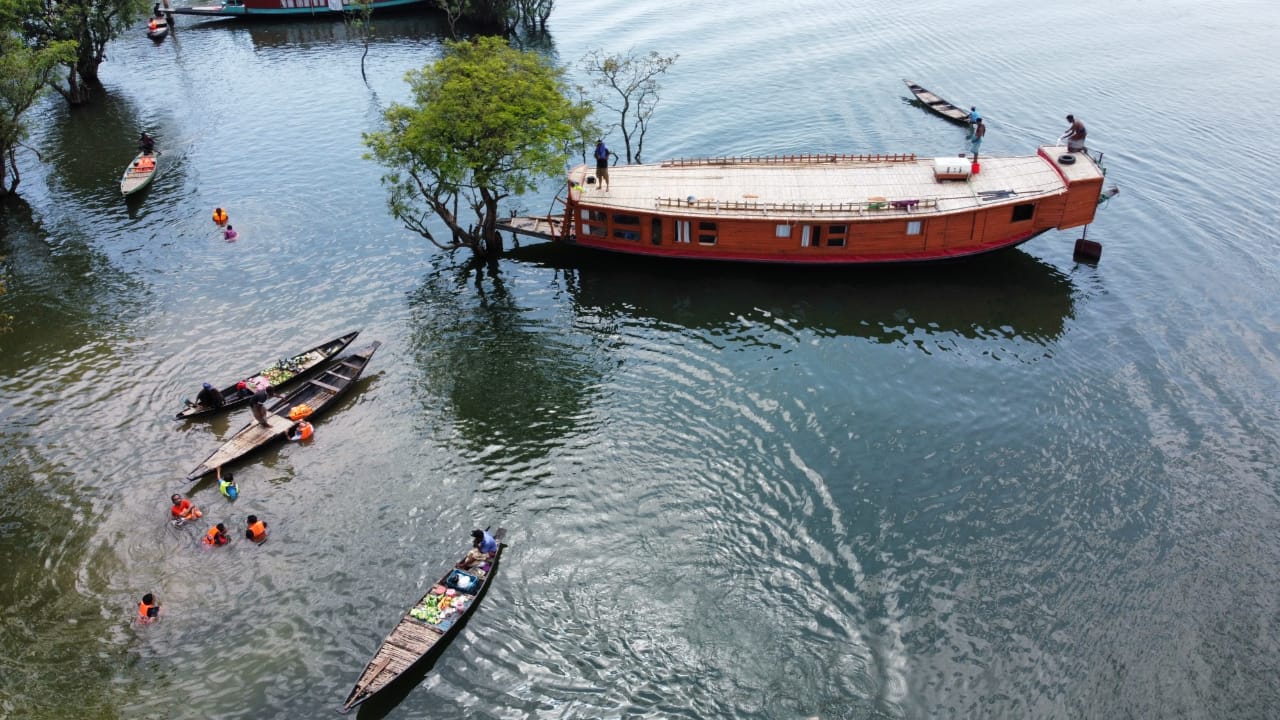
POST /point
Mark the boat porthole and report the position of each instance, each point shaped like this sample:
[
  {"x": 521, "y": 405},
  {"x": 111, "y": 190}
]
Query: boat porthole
[{"x": 1066, "y": 159}]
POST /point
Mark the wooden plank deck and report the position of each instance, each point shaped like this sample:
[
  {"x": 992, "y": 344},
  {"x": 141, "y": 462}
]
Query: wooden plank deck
[{"x": 802, "y": 189}]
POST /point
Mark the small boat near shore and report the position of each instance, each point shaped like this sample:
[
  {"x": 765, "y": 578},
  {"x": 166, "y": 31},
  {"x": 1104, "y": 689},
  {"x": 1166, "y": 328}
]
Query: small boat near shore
[
  {"x": 140, "y": 173},
  {"x": 824, "y": 209},
  {"x": 426, "y": 628},
  {"x": 276, "y": 375},
  {"x": 317, "y": 394},
  {"x": 938, "y": 106},
  {"x": 157, "y": 28}
]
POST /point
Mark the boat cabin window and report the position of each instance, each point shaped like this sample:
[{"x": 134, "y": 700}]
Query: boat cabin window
[
  {"x": 706, "y": 233},
  {"x": 836, "y": 235},
  {"x": 594, "y": 223},
  {"x": 811, "y": 236},
  {"x": 626, "y": 227},
  {"x": 655, "y": 231},
  {"x": 682, "y": 231},
  {"x": 783, "y": 231},
  {"x": 913, "y": 227},
  {"x": 1026, "y": 211}
]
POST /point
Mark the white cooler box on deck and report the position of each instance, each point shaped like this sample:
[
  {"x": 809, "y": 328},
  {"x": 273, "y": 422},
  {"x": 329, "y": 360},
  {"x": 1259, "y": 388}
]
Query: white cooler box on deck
[{"x": 951, "y": 168}]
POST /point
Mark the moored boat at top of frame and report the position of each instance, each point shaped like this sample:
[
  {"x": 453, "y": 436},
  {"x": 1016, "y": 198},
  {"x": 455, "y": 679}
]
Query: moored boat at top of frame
[{"x": 290, "y": 8}]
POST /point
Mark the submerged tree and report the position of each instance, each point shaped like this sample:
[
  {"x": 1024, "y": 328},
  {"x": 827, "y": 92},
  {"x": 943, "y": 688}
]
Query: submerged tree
[
  {"x": 360, "y": 18},
  {"x": 492, "y": 17},
  {"x": 91, "y": 24},
  {"x": 487, "y": 122},
  {"x": 25, "y": 73},
  {"x": 628, "y": 85}
]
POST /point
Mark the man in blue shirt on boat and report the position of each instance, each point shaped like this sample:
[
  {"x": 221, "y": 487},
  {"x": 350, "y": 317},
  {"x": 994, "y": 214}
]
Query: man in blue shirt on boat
[
  {"x": 484, "y": 542},
  {"x": 974, "y": 117},
  {"x": 483, "y": 548}
]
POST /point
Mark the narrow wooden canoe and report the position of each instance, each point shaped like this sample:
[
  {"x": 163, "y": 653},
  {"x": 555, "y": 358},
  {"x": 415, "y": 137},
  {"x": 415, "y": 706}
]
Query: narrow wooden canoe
[
  {"x": 319, "y": 393},
  {"x": 140, "y": 173},
  {"x": 941, "y": 107},
  {"x": 160, "y": 30},
  {"x": 279, "y": 373},
  {"x": 428, "y": 626}
]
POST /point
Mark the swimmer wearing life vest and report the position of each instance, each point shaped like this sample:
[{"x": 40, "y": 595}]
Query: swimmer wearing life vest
[
  {"x": 256, "y": 530},
  {"x": 217, "y": 536},
  {"x": 148, "y": 609},
  {"x": 220, "y": 216},
  {"x": 183, "y": 509},
  {"x": 301, "y": 431}
]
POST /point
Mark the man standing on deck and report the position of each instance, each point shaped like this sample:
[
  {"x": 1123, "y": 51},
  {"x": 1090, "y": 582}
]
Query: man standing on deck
[
  {"x": 602, "y": 164},
  {"x": 979, "y": 132},
  {"x": 974, "y": 117}
]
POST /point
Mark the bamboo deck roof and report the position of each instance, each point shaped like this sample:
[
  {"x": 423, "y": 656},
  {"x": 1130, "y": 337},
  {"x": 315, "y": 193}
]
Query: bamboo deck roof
[{"x": 825, "y": 185}]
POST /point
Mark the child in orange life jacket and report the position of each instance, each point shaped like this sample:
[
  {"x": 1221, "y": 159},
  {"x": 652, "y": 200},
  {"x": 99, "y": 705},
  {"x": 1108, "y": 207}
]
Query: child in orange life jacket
[
  {"x": 301, "y": 431},
  {"x": 256, "y": 529},
  {"x": 148, "y": 609},
  {"x": 217, "y": 536},
  {"x": 183, "y": 510}
]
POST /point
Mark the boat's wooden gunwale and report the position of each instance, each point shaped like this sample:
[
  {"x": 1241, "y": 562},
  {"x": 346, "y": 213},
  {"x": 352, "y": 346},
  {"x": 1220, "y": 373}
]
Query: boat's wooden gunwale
[{"x": 323, "y": 353}]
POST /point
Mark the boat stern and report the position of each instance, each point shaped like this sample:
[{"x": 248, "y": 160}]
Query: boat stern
[{"x": 1083, "y": 177}]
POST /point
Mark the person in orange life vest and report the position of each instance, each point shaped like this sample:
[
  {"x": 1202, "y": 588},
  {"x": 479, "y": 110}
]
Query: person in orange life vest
[
  {"x": 256, "y": 530},
  {"x": 217, "y": 536},
  {"x": 301, "y": 431},
  {"x": 219, "y": 216},
  {"x": 148, "y": 609},
  {"x": 183, "y": 509}
]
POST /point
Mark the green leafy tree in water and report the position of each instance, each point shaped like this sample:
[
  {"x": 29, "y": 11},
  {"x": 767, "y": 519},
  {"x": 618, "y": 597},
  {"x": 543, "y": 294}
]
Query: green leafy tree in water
[
  {"x": 25, "y": 73},
  {"x": 89, "y": 23},
  {"x": 487, "y": 122},
  {"x": 628, "y": 85}
]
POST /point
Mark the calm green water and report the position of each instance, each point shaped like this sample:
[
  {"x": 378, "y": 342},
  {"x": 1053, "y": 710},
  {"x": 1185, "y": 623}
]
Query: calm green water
[{"x": 1013, "y": 488}]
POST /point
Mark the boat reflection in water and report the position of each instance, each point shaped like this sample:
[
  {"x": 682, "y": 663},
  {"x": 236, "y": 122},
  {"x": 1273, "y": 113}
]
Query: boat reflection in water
[{"x": 1004, "y": 295}]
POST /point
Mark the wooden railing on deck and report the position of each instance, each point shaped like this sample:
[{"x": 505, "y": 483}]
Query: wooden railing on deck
[
  {"x": 877, "y": 204},
  {"x": 790, "y": 159}
]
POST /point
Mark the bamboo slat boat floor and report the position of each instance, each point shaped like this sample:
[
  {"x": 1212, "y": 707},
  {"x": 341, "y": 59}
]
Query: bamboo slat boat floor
[{"x": 797, "y": 189}]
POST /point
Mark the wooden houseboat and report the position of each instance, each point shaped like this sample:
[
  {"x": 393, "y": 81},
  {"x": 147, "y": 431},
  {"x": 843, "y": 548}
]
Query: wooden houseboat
[
  {"x": 824, "y": 209},
  {"x": 290, "y": 8}
]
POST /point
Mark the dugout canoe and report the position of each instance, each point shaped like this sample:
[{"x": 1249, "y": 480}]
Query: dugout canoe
[
  {"x": 938, "y": 106},
  {"x": 140, "y": 173},
  {"x": 157, "y": 28},
  {"x": 425, "y": 629},
  {"x": 319, "y": 393},
  {"x": 277, "y": 374}
]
